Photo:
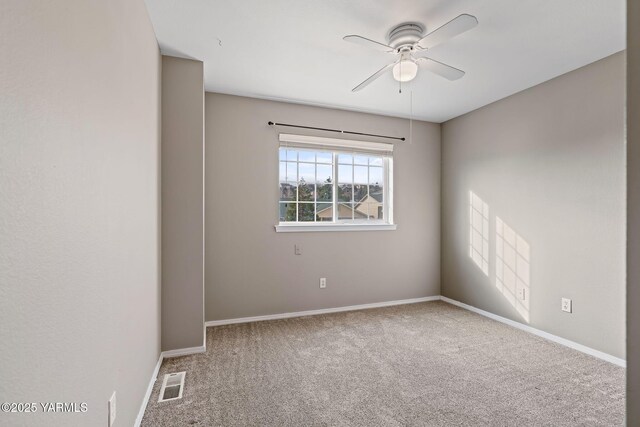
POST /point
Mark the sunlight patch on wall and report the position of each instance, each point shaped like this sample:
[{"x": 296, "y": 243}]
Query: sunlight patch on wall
[
  {"x": 513, "y": 257},
  {"x": 479, "y": 232}
]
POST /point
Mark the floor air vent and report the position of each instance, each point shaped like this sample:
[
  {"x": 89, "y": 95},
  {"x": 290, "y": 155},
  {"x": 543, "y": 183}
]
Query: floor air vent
[{"x": 172, "y": 386}]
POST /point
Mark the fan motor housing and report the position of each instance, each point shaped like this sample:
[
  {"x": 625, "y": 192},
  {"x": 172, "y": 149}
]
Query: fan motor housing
[{"x": 405, "y": 35}]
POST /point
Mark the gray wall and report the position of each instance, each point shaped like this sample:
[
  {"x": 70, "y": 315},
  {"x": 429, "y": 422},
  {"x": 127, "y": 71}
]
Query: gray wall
[
  {"x": 79, "y": 203},
  {"x": 182, "y": 203},
  {"x": 252, "y": 270},
  {"x": 633, "y": 213},
  {"x": 549, "y": 161}
]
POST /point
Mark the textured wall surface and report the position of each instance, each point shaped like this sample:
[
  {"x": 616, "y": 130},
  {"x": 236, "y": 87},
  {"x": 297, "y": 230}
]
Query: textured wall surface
[
  {"x": 182, "y": 203},
  {"x": 79, "y": 203},
  {"x": 633, "y": 213},
  {"x": 550, "y": 163},
  {"x": 252, "y": 270}
]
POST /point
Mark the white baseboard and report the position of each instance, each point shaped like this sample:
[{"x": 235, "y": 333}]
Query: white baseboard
[
  {"x": 567, "y": 343},
  {"x": 320, "y": 311},
  {"x": 147, "y": 395},
  {"x": 184, "y": 351},
  {"x": 204, "y": 336}
]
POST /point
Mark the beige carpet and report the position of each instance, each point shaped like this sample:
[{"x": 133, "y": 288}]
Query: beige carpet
[{"x": 428, "y": 364}]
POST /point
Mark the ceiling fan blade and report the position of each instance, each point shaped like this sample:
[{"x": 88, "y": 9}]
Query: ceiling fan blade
[
  {"x": 377, "y": 74},
  {"x": 363, "y": 41},
  {"x": 420, "y": 53},
  {"x": 457, "y": 25},
  {"x": 444, "y": 70}
]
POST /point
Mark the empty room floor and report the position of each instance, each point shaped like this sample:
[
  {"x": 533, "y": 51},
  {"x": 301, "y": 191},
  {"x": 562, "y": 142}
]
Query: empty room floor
[{"x": 427, "y": 364}]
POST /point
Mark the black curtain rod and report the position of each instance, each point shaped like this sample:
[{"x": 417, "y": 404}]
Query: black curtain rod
[{"x": 337, "y": 131}]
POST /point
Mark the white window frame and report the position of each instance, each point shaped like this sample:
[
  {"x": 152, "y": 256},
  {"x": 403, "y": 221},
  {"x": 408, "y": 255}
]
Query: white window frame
[{"x": 337, "y": 146}]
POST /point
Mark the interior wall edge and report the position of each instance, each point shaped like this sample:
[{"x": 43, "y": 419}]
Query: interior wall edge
[
  {"x": 633, "y": 212},
  {"x": 182, "y": 203}
]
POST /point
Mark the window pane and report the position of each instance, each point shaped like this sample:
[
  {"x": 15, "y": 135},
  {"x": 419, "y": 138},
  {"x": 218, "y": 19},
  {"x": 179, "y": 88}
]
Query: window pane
[
  {"x": 324, "y": 174},
  {"x": 292, "y": 172},
  {"x": 282, "y": 154},
  {"x": 345, "y": 159},
  {"x": 361, "y": 160},
  {"x": 360, "y": 211},
  {"x": 287, "y": 211},
  {"x": 345, "y": 174},
  {"x": 345, "y": 192},
  {"x": 307, "y": 173},
  {"x": 359, "y": 192},
  {"x": 376, "y": 176},
  {"x": 373, "y": 210},
  {"x": 360, "y": 175},
  {"x": 306, "y": 156},
  {"x": 375, "y": 161},
  {"x": 306, "y": 212},
  {"x": 324, "y": 212},
  {"x": 306, "y": 192},
  {"x": 376, "y": 194},
  {"x": 323, "y": 157},
  {"x": 283, "y": 172},
  {"x": 325, "y": 192},
  {"x": 292, "y": 155},
  {"x": 287, "y": 191},
  {"x": 345, "y": 211}
]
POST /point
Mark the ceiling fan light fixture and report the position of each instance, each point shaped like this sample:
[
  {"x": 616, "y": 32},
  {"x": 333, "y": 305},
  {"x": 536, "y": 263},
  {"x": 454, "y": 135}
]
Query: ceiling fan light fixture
[
  {"x": 405, "y": 71},
  {"x": 407, "y": 39}
]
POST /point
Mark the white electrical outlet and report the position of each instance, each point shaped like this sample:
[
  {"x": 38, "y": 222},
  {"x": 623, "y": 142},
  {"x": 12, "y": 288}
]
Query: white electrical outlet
[
  {"x": 297, "y": 249},
  {"x": 323, "y": 282},
  {"x": 566, "y": 305},
  {"x": 523, "y": 294},
  {"x": 112, "y": 409}
]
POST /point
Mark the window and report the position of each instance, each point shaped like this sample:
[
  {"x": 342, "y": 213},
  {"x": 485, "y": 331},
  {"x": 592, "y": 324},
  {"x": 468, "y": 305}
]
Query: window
[
  {"x": 323, "y": 186},
  {"x": 306, "y": 186}
]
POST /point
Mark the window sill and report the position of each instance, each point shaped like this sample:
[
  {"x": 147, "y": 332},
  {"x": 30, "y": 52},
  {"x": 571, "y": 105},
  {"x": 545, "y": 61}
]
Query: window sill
[{"x": 301, "y": 228}]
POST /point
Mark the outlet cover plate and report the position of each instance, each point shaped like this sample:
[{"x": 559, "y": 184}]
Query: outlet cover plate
[
  {"x": 566, "y": 305},
  {"x": 112, "y": 409}
]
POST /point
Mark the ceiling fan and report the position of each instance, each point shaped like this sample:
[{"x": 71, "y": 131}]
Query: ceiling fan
[{"x": 408, "y": 42}]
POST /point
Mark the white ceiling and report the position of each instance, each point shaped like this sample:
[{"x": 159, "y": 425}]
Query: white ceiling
[{"x": 292, "y": 50}]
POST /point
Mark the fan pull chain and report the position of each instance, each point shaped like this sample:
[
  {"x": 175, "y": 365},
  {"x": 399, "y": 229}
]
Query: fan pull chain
[{"x": 410, "y": 117}]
